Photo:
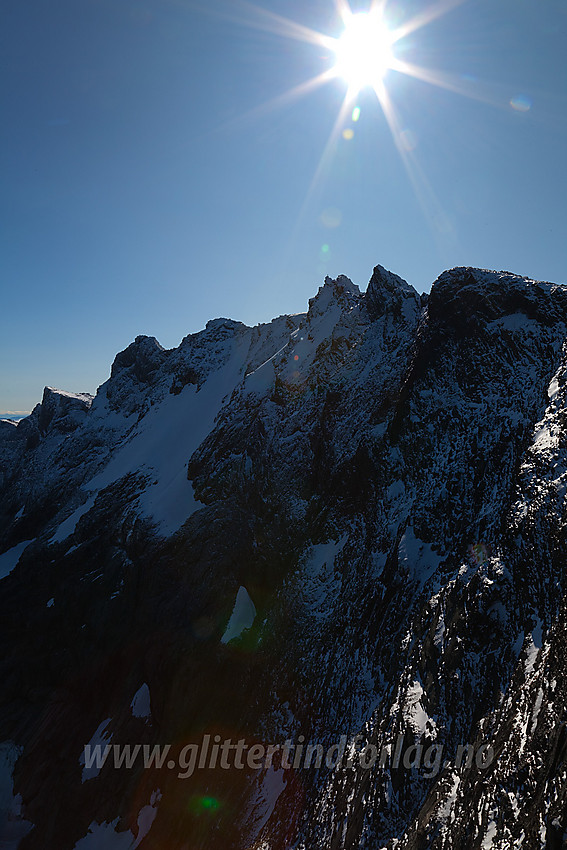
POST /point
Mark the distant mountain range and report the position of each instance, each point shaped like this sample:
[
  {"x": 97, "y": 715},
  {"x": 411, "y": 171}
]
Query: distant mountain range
[{"x": 345, "y": 529}]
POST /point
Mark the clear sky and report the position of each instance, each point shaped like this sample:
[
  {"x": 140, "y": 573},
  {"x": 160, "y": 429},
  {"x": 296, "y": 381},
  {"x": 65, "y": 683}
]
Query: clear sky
[{"x": 155, "y": 175}]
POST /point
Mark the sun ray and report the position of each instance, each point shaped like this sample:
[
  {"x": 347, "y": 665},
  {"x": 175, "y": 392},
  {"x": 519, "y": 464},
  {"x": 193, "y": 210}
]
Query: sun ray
[
  {"x": 425, "y": 195},
  {"x": 377, "y": 7},
  {"x": 449, "y": 82},
  {"x": 325, "y": 158},
  {"x": 283, "y": 99},
  {"x": 344, "y": 10},
  {"x": 324, "y": 161},
  {"x": 437, "y": 10},
  {"x": 267, "y": 21}
]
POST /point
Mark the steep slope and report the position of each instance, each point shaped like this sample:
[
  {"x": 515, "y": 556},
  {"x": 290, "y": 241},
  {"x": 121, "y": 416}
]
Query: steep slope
[{"x": 344, "y": 529}]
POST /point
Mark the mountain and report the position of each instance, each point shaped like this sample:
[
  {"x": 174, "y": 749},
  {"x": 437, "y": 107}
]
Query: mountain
[{"x": 344, "y": 530}]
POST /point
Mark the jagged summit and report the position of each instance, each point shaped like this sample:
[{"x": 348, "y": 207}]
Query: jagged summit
[
  {"x": 342, "y": 282},
  {"x": 341, "y": 294},
  {"x": 382, "y": 278},
  {"x": 388, "y": 293}
]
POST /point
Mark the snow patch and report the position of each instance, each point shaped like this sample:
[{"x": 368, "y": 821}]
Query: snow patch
[
  {"x": 86, "y": 398},
  {"x": 100, "y": 737},
  {"x": 271, "y": 786},
  {"x": 439, "y": 633},
  {"x": 319, "y": 585},
  {"x": 537, "y": 707},
  {"x": 518, "y": 644},
  {"x": 9, "y": 560},
  {"x": 417, "y": 558},
  {"x": 533, "y": 648},
  {"x": 516, "y": 322},
  {"x": 103, "y": 836},
  {"x": 489, "y": 837},
  {"x": 140, "y": 704},
  {"x": 553, "y": 388},
  {"x": 446, "y": 810},
  {"x": 163, "y": 442},
  {"x": 69, "y": 525},
  {"x": 543, "y": 438},
  {"x": 146, "y": 817},
  {"x": 242, "y": 617},
  {"x": 418, "y": 719}
]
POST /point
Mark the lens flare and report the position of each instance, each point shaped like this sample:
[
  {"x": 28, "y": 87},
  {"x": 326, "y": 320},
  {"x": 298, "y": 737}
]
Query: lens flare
[
  {"x": 479, "y": 553},
  {"x": 199, "y": 805},
  {"x": 521, "y": 103}
]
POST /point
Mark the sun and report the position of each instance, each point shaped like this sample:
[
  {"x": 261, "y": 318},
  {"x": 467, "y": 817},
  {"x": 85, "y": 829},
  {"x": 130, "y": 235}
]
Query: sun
[
  {"x": 364, "y": 51},
  {"x": 361, "y": 57}
]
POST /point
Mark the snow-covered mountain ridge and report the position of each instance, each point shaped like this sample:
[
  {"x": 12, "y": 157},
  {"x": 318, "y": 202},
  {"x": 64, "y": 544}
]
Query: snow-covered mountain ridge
[{"x": 344, "y": 522}]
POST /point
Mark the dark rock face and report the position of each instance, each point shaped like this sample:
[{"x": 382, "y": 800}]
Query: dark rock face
[
  {"x": 11, "y": 447},
  {"x": 346, "y": 525},
  {"x": 388, "y": 293}
]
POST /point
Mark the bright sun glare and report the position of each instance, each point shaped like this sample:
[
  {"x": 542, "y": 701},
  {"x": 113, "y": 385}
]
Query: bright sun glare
[
  {"x": 364, "y": 51},
  {"x": 363, "y": 54}
]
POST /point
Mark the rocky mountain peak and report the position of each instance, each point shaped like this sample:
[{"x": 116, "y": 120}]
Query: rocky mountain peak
[
  {"x": 141, "y": 358},
  {"x": 224, "y": 327},
  {"x": 388, "y": 293},
  {"x": 62, "y": 410},
  {"x": 59, "y": 412},
  {"x": 464, "y": 296},
  {"x": 337, "y": 295}
]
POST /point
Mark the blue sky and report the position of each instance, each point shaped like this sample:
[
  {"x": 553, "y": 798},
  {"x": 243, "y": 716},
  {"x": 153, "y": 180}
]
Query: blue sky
[{"x": 149, "y": 185}]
